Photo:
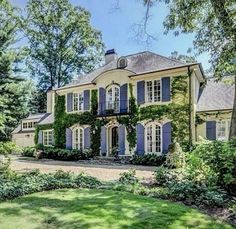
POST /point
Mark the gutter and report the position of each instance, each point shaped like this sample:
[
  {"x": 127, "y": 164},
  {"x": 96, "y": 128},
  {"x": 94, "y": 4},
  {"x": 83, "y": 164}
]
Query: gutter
[{"x": 172, "y": 68}]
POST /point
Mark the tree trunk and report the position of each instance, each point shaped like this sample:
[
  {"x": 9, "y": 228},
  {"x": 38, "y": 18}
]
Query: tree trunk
[{"x": 233, "y": 119}]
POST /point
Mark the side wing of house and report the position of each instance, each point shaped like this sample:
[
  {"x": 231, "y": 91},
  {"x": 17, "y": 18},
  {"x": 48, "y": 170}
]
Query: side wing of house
[{"x": 214, "y": 110}]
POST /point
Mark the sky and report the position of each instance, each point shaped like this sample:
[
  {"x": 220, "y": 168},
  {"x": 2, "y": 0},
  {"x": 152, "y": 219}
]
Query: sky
[{"x": 117, "y": 26}]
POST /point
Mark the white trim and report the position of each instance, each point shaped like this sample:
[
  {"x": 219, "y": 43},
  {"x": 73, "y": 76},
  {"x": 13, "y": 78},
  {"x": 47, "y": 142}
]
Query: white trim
[
  {"x": 77, "y": 127},
  {"x": 113, "y": 87},
  {"x": 146, "y": 91},
  {"x": 227, "y": 129},
  {"x": 152, "y": 123},
  {"x": 47, "y": 131}
]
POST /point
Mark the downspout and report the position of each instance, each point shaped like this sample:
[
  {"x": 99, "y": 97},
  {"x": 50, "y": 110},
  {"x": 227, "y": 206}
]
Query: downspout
[{"x": 190, "y": 108}]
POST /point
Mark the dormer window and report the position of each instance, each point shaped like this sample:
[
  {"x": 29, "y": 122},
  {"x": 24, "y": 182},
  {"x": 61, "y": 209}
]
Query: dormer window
[{"x": 122, "y": 62}]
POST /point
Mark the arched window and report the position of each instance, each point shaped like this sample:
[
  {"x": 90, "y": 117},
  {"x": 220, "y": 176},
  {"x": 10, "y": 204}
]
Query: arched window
[
  {"x": 153, "y": 138},
  {"x": 122, "y": 62},
  {"x": 78, "y": 138},
  {"x": 113, "y": 98}
]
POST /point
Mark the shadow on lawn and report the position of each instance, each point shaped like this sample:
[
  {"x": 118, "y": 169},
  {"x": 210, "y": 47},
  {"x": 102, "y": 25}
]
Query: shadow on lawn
[{"x": 72, "y": 209}]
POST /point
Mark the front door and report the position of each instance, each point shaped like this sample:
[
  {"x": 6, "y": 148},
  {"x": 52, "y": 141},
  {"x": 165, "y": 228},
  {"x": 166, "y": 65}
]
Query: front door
[{"x": 114, "y": 137}]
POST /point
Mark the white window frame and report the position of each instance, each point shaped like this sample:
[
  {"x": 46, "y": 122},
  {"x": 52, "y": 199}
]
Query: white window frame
[
  {"x": 227, "y": 129},
  {"x": 78, "y": 143},
  {"x": 114, "y": 102},
  {"x": 152, "y": 100},
  {"x": 153, "y": 126},
  {"x": 79, "y": 104},
  {"x": 46, "y": 139},
  {"x": 28, "y": 125}
]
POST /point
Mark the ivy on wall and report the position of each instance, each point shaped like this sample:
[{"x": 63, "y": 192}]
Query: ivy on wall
[
  {"x": 41, "y": 127},
  {"x": 177, "y": 111}
]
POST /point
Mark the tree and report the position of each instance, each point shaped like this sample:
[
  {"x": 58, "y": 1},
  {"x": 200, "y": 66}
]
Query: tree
[
  {"x": 14, "y": 91},
  {"x": 184, "y": 58},
  {"x": 214, "y": 23},
  {"x": 62, "y": 42}
]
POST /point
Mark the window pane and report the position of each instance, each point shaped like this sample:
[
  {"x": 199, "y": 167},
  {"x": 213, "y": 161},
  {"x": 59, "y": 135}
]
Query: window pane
[
  {"x": 221, "y": 130},
  {"x": 116, "y": 99},
  {"x": 81, "y": 139},
  {"x": 149, "y": 91},
  {"x": 75, "y": 101},
  {"x": 24, "y": 125},
  {"x": 157, "y": 91},
  {"x": 158, "y": 139},
  {"x": 149, "y": 138},
  {"x": 81, "y": 101},
  {"x": 30, "y": 125}
]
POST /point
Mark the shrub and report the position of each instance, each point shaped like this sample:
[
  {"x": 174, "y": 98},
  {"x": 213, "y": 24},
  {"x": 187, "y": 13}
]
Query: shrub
[
  {"x": 163, "y": 175},
  {"x": 175, "y": 157},
  {"x": 28, "y": 151},
  {"x": 213, "y": 162},
  {"x": 192, "y": 193},
  {"x": 148, "y": 159},
  {"x": 36, "y": 182},
  {"x": 9, "y": 148},
  {"x": 51, "y": 152},
  {"x": 128, "y": 177}
]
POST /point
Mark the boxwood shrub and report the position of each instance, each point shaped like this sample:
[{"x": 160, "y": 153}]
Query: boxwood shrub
[{"x": 148, "y": 159}]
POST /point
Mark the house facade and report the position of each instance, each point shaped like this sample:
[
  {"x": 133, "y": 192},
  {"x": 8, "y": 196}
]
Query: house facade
[{"x": 136, "y": 103}]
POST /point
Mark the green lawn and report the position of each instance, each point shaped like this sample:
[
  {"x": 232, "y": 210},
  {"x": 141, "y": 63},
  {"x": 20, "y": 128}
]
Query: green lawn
[{"x": 99, "y": 209}]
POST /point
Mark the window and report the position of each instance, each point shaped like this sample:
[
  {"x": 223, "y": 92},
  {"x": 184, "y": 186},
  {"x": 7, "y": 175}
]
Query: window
[
  {"x": 122, "y": 62},
  {"x": 153, "y": 138},
  {"x": 222, "y": 130},
  {"x": 47, "y": 137},
  {"x": 113, "y": 98},
  {"x": 78, "y": 101},
  {"x": 24, "y": 125},
  {"x": 30, "y": 125},
  {"x": 153, "y": 91},
  {"x": 78, "y": 137}
]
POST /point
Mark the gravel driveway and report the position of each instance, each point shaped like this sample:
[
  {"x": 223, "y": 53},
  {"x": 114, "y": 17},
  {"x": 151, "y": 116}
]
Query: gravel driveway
[{"x": 102, "y": 171}]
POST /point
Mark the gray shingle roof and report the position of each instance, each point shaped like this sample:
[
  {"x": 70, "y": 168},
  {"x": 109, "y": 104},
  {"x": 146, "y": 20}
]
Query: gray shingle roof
[
  {"x": 216, "y": 96},
  {"x": 138, "y": 63},
  {"x": 49, "y": 119}
]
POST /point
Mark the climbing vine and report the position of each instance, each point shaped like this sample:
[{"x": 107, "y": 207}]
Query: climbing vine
[{"x": 177, "y": 111}]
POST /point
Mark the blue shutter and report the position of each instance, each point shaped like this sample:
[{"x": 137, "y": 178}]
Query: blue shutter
[
  {"x": 140, "y": 139},
  {"x": 103, "y": 140},
  {"x": 87, "y": 138},
  {"x": 69, "y": 102},
  {"x": 165, "y": 89},
  {"x": 141, "y": 92},
  {"x": 211, "y": 130},
  {"x": 166, "y": 137},
  {"x": 123, "y": 98},
  {"x": 86, "y": 100},
  {"x": 121, "y": 137},
  {"x": 68, "y": 138},
  {"x": 102, "y": 100},
  {"x": 40, "y": 137}
]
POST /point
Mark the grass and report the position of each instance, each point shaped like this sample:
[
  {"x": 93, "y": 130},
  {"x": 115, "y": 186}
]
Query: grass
[{"x": 69, "y": 209}]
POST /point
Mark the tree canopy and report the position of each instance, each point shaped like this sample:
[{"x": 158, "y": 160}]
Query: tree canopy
[{"x": 62, "y": 41}]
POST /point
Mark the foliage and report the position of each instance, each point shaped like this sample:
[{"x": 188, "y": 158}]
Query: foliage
[
  {"x": 163, "y": 175},
  {"x": 128, "y": 177},
  {"x": 34, "y": 181},
  {"x": 28, "y": 151},
  {"x": 213, "y": 163},
  {"x": 51, "y": 152},
  {"x": 184, "y": 58},
  {"x": 192, "y": 193},
  {"x": 148, "y": 159},
  {"x": 177, "y": 111},
  {"x": 9, "y": 148},
  {"x": 214, "y": 30},
  {"x": 15, "y": 92},
  {"x": 62, "y": 41},
  {"x": 41, "y": 127},
  {"x": 175, "y": 157}
]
